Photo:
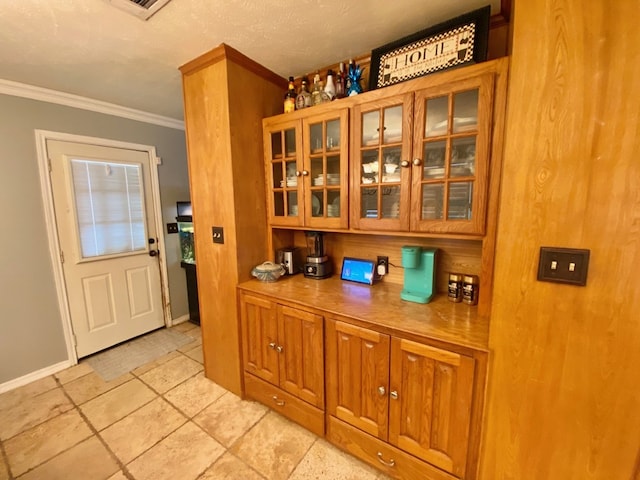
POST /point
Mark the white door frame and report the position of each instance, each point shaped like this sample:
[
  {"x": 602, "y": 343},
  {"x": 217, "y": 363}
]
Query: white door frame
[{"x": 52, "y": 232}]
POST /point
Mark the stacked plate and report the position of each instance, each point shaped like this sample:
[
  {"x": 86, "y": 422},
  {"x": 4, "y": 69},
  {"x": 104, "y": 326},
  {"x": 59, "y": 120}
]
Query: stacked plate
[
  {"x": 332, "y": 179},
  {"x": 291, "y": 182}
]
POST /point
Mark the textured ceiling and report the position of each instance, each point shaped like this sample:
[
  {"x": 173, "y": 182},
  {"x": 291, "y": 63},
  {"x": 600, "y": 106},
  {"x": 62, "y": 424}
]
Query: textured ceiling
[{"x": 90, "y": 48}]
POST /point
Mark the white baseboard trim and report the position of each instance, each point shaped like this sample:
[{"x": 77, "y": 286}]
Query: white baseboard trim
[
  {"x": 32, "y": 92},
  {"x": 182, "y": 319},
  {"x": 33, "y": 376}
]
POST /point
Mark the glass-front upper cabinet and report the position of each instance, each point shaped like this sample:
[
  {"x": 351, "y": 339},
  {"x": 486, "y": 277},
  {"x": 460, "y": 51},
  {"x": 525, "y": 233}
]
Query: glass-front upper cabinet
[
  {"x": 283, "y": 152},
  {"x": 325, "y": 173},
  {"x": 451, "y": 157},
  {"x": 307, "y": 170},
  {"x": 381, "y": 177}
]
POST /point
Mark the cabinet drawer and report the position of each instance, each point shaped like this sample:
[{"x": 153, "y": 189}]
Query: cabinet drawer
[
  {"x": 291, "y": 407},
  {"x": 370, "y": 449}
]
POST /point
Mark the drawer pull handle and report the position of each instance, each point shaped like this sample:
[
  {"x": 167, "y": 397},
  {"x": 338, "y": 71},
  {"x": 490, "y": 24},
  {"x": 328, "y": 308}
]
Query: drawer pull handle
[
  {"x": 272, "y": 345},
  {"x": 394, "y": 395},
  {"x": 390, "y": 463},
  {"x": 277, "y": 401},
  {"x": 279, "y": 348},
  {"x": 381, "y": 391}
]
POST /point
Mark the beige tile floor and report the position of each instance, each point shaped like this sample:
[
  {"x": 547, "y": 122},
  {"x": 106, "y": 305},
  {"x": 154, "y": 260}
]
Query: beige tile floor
[{"x": 164, "y": 420}]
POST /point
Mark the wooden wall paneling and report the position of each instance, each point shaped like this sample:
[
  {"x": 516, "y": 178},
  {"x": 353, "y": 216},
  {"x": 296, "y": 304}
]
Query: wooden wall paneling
[
  {"x": 563, "y": 399},
  {"x": 226, "y": 96}
]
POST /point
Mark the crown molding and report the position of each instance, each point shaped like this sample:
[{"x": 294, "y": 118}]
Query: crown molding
[{"x": 32, "y": 92}]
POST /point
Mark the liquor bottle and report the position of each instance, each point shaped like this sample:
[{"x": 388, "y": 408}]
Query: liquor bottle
[
  {"x": 347, "y": 79},
  {"x": 316, "y": 92},
  {"x": 340, "y": 88},
  {"x": 330, "y": 88},
  {"x": 290, "y": 97},
  {"x": 303, "y": 100}
]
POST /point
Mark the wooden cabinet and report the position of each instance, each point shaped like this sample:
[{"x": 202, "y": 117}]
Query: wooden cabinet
[
  {"x": 284, "y": 347},
  {"x": 420, "y": 160},
  {"x": 307, "y": 169},
  {"x": 414, "y": 396}
]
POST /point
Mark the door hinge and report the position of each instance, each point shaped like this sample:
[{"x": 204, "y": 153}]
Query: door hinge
[
  {"x": 61, "y": 256},
  {"x": 75, "y": 340},
  {"x": 49, "y": 162}
]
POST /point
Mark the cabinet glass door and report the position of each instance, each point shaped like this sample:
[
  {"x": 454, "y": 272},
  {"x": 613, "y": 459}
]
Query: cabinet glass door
[
  {"x": 451, "y": 142},
  {"x": 284, "y": 155},
  {"x": 380, "y": 167},
  {"x": 325, "y": 173}
]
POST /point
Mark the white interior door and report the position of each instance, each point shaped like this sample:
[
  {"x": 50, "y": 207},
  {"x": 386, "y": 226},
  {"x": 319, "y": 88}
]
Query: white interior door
[{"x": 107, "y": 233}]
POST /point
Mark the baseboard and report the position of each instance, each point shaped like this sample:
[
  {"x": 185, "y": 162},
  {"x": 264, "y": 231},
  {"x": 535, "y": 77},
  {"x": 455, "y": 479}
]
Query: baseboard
[
  {"x": 33, "y": 376},
  {"x": 182, "y": 319}
]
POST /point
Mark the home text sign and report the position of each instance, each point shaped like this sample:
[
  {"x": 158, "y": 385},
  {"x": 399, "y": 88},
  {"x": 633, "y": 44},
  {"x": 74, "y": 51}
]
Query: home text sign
[{"x": 456, "y": 42}]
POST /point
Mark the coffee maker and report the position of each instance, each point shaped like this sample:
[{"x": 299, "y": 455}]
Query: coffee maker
[
  {"x": 318, "y": 264},
  {"x": 419, "y": 273}
]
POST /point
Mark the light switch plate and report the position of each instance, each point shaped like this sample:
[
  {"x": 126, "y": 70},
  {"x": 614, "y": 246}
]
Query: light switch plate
[
  {"x": 218, "y": 234},
  {"x": 563, "y": 265}
]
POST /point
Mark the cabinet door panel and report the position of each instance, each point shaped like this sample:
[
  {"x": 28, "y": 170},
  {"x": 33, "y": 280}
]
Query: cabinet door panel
[
  {"x": 302, "y": 357},
  {"x": 358, "y": 377},
  {"x": 431, "y": 414},
  {"x": 259, "y": 330}
]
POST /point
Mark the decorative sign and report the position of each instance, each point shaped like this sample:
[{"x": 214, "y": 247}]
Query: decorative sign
[{"x": 456, "y": 42}]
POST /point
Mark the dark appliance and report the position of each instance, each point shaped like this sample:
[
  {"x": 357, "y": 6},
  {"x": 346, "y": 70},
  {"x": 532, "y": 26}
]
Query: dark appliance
[{"x": 318, "y": 264}]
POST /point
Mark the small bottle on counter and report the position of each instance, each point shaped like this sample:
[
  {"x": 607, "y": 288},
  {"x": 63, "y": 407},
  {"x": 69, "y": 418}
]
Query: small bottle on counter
[
  {"x": 455, "y": 287},
  {"x": 290, "y": 98},
  {"x": 470, "y": 285}
]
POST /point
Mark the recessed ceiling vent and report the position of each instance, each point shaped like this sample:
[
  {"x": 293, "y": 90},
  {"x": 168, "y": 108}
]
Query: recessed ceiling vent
[{"x": 143, "y": 9}]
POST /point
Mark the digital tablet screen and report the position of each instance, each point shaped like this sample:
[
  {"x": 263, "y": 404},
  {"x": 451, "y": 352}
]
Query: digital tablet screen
[{"x": 358, "y": 270}]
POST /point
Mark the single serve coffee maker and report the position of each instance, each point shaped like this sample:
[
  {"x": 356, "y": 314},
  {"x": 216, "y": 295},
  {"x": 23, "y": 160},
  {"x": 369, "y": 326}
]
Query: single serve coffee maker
[
  {"x": 318, "y": 264},
  {"x": 419, "y": 273}
]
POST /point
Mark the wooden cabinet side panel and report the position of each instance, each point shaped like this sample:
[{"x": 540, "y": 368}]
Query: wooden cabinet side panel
[
  {"x": 431, "y": 416},
  {"x": 259, "y": 330},
  {"x": 357, "y": 368},
  {"x": 302, "y": 357}
]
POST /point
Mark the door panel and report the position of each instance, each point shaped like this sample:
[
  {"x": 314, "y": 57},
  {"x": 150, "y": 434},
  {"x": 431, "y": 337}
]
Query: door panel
[
  {"x": 104, "y": 216},
  {"x": 259, "y": 329},
  {"x": 429, "y": 416},
  {"x": 358, "y": 376},
  {"x": 302, "y": 357}
]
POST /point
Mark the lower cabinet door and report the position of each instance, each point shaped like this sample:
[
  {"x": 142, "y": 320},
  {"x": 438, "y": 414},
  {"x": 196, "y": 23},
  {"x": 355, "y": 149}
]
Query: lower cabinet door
[
  {"x": 259, "y": 337},
  {"x": 301, "y": 354},
  {"x": 358, "y": 376},
  {"x": 430, "y": 403}
]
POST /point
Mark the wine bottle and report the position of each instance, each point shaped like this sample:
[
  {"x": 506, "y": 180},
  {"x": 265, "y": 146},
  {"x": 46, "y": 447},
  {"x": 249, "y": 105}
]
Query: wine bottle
[
  {"x": 340, "y": 88},
  {"x": 290, "y": 97}
]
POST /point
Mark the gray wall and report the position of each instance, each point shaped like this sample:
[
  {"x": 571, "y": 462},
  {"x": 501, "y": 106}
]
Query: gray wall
[{"x": 31, "y": 334}]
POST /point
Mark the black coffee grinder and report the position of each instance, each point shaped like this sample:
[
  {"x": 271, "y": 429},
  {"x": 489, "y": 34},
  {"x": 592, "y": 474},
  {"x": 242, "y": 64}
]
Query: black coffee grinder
[{"x": 318, "y": 264}]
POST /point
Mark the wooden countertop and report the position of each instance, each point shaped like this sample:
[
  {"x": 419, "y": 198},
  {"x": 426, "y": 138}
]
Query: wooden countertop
[{"x": 380, "y": 305}]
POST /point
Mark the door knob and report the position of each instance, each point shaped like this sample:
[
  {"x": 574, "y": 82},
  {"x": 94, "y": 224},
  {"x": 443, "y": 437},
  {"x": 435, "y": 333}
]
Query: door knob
[
  {"x": 272, "y": 345},
  {"x": 153, "y": 253},
  {"x": 381, "y": 391},
  {"x": 394, "y": 395},
  {"x": 404, "y": 163},
  {"x": 417, "y": 162},
  {"x": 305, "y": 173},
  {"x": 152, "y": 241}
]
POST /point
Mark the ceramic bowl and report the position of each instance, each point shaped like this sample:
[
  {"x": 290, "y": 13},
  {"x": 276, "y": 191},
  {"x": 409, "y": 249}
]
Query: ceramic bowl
[{"x": 268, "y": 271}]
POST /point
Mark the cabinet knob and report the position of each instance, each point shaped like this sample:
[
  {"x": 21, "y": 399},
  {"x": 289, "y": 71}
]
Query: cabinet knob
[
  {"x": 417, "y": 162},
  {"x": 381, "y": 391},
  {"x": 394, "y": 395},
  {"x": 277, "y": 401},
  {"x": 305, "y": 173},
  {"x": 279, "y": 348},
  {"x": 390, "y": 463},
  {"x": 272, "y": 345},
  {"x": 298, "y": 173},
  {"x": 404, "y": 163}
]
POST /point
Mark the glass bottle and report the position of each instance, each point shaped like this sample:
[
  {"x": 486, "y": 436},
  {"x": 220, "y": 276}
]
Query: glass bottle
[
  {"x": 330, "y": 88},
  {"x": 303, "y": 100},
  {"x": 290, "y": 97},
  {"x": 340, "y": 88},
  {"x": 316, "y": 92}
]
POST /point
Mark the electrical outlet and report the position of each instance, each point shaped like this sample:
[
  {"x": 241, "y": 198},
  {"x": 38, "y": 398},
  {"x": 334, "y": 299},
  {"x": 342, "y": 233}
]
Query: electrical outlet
[
  {"x": 563, "y": 265},
  {"x": 384, "y": 262}
]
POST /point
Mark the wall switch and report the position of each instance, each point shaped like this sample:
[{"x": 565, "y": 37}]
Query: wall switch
[
  {"x": 563, "y": 265},
  {"x": 172, "y": 228},
  {"x": 218, "y": 234}
]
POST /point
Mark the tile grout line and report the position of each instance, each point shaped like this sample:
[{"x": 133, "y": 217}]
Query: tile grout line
[{"x": 123, "y": 467}]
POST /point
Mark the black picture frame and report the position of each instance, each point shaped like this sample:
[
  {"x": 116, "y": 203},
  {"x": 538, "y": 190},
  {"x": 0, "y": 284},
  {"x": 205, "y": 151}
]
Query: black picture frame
[{"x": 456, "y": 42}]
